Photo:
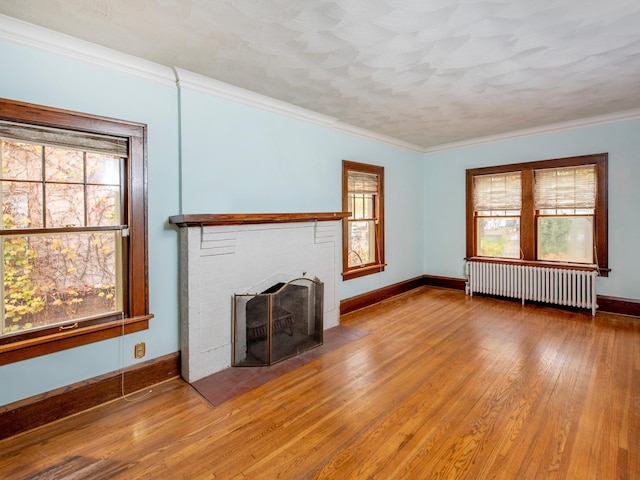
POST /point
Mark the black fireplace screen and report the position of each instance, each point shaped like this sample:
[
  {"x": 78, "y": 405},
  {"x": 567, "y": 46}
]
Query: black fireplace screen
[{"x": 283, "y": 321}]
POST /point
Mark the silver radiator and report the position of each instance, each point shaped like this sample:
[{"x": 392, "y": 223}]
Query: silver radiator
[{"x": 560, "y": 286}]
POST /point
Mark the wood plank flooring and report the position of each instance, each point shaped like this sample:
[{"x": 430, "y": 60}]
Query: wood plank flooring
[{"x": 442, "y": 386}]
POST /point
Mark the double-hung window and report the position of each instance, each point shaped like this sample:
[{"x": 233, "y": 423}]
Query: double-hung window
[
  {"x": 363, "y": 231},
  {"x": 497, "y": 208},
  {"x": 550, "y": 211},
  {"x": 62, "y": 227},
  {"x": 565, "y": 202},
  {"x": 73, "y": 237}
]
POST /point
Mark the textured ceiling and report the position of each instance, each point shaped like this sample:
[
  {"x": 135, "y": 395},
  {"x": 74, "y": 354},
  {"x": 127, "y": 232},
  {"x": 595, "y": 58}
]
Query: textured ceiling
[{"x": 428, "y": 72}]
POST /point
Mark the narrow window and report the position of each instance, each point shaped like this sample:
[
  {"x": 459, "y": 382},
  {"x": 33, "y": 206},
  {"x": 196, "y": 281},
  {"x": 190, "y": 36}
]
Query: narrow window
[{"x": 363, "y": 197}]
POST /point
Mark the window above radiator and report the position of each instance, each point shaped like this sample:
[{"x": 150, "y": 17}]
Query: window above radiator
[{"x": 544, "y": 212}]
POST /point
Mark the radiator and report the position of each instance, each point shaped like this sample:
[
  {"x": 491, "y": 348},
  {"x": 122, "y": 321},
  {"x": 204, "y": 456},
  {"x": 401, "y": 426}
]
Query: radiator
[{"x": 560, "y": 286}]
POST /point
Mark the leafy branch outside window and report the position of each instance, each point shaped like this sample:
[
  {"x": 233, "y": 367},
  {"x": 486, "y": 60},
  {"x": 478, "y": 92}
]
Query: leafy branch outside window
[{"x": 68, "y": 274}]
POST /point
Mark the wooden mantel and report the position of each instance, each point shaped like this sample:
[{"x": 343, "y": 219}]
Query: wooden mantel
[{"x": 218, "y": 219}]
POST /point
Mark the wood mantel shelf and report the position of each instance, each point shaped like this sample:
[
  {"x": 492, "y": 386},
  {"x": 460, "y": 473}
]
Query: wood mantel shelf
[{"x": 218, "y": 219}]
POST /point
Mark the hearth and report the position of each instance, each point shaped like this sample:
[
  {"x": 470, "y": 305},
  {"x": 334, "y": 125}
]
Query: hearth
[{"x": 278, "y": 323}]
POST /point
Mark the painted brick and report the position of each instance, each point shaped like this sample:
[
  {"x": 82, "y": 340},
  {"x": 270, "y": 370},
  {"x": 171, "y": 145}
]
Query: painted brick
[{"x": 218, "y": 262}]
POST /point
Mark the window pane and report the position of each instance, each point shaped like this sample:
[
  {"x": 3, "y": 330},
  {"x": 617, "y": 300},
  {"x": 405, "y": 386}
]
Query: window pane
[
  {"x": 368, "y": 206},
  {"x": 566, "y": 239},
  {"x": 363, "y": 206},
  {"x": 361, "y": 243},
  {"x": 21, "y": 161},
  {"x": 357, "y": 207},
  {"x": 63, "y": 165},
  {"x": 51, "y": 279},
  {"x": 103, "y": 169},
  {"x": 21, "y": 205},
  {"x": 498, "y": 237},
  {"x": 103, "y": 205},
  {"x": 65, "y": 205}
]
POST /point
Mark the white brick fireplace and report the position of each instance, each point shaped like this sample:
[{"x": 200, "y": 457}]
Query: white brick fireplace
[{"x": 221, "y": 255}]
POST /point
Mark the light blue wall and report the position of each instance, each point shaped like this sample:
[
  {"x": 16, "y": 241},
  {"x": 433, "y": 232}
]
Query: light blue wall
[
  {"x": 444, "y": 181},
  {"x": 238, "y": 159},
  {"x": 205, "y": 155}
]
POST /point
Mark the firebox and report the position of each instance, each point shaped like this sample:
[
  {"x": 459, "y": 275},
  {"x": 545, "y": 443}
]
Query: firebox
[{"x": 278, "y": 323}]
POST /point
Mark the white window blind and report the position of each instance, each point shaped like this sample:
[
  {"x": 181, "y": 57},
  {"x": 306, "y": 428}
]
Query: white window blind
[
  {"x": 569, "y": 187},
  {"x": 497, "y": 192},
  {"x": 360, "y": 182}
]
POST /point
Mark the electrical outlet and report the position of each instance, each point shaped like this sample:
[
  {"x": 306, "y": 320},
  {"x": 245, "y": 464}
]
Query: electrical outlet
[{"x": 139, "y": 350}]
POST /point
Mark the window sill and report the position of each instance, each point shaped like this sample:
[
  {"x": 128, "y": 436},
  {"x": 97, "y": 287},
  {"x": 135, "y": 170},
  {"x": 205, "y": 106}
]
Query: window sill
[
  {"x": 362, "y": 271},
  {"x": 540, "y": 263},
  {"x": 55, "y": 342}
]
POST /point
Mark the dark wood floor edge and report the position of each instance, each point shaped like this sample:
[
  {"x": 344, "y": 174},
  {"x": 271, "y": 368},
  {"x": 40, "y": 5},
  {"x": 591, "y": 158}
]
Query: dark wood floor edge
[
  {"x": 32, "y": 412},
  {"x": 621, "y": 306}
]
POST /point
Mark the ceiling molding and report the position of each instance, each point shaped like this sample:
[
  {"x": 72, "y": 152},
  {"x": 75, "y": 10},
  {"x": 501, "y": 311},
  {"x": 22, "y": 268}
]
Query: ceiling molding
[
  {"x": 31, "y": 35},
  {"x": 25, "y": 33},
  {"x": 376, "y": 137},
  {"x": 204, "y": 84},
  {"x": 595, "y": 121}
]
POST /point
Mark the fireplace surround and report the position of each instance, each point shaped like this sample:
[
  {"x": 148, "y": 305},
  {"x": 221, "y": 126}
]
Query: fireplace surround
[{"x": 222, "y": 255}]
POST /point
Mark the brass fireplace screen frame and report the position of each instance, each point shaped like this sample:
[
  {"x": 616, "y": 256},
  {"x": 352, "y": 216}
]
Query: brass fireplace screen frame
[{"x": 281, "y": 322}]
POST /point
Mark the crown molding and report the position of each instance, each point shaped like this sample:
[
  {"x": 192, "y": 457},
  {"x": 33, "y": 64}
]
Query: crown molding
[
  {"x": 210, "y": 86},
  {"x": 376, "y": 137},
  {"x": 24, "y": 33},
  {"x": 626, "y": 115},
  {"x": 31, "y": 35}
]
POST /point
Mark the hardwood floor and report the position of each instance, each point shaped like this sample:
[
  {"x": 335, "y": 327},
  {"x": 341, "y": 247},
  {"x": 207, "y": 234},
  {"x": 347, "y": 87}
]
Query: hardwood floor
[{"x": 443, "y": 386}]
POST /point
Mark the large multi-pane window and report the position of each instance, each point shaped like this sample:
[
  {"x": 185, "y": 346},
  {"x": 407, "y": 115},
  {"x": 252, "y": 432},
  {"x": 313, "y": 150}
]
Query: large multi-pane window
[
  {"x": 61, "y": 233},
  {"x": 73, "y": 236},
  {"x": 362, "y": 196},
  {"x": 546, "y": 211}
]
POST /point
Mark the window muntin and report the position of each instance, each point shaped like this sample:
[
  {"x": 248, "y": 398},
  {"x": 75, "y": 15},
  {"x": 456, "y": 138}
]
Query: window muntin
[
  {"x": 74, "y": 272},
  {"x": 564, "y": 214},
  {"x": 363, "y": 242}
]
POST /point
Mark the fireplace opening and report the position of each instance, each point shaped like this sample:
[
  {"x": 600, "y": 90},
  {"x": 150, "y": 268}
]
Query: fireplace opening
[{"x": 283, "y": 321}]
